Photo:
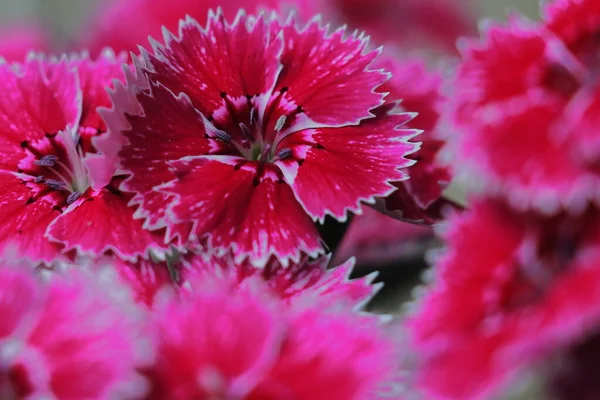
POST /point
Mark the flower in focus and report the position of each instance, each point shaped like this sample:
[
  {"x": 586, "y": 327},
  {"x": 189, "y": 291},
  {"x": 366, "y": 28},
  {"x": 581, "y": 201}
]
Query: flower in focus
[
  {"x": 529, "y": 131},
  {"x": 219, "y": 340},
  {"x": 108, "y": 29},
  {"x": 66, "y": 339},
  {"x": 512, "y": 287},
  {"x": 271, "y": 129},
  {"x": 58, "y": 193}
]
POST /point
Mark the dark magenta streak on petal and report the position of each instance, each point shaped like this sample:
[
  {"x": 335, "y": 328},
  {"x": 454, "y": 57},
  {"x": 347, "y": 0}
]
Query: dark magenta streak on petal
[
  {"x": 235, "y": 60},
  {"x": 342, "y": 166},
  {"x": 103, "y": 223},
  {"x": 24, "y": 218},
  {"x": 259, "y": 216},
  {"x": 171, "y": 128},
  {"x": 33, "y": 105},
  {"x": 327, "y": 76}
]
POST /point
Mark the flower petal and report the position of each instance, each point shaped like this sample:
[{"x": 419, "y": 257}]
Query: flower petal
[
  {"x": 336, "y": 287},
  {"x": 305, "y": 279},
  {"x": 341, "y": 167},
  {"x": 18, "y": 296},
  {"x": 420, "y": 90},
  {"x": 151, "y": 15},
  {"x": 25, "y": 218},
  {"x": 427, "y": 178},
  {"x": 512, "y": 288},
  {"x": 326, "y": 75},
  {"x": 168, "y": 128},
  {"x": 89, "y": 344},
  {"x": 95, "y": 77},
  {"x": 38, "y": 98},
  {"x": 342, "y": 355},
  {"x": 102, "y": 223},
  {"x": 238, "y": 59},
  {"x": 257, "y": 216},
  {"x": 219, "y": 340},
  {"x": 376, "y": 239}
]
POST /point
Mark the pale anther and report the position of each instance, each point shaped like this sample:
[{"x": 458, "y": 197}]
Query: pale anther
[
  {"x": 246, "y": 131},
  {"x": 280, "y": 123},
  {"x": 252, "y": 112}
]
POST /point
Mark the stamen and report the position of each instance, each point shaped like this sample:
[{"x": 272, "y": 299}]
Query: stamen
[
  {"x": 46, "y": 161},
  {"x": 39, "y": 179},
  {"x": 223, "y": 136},
  {"x": 73, "y": 197},
  {"x": 56, "y": 185},
  {"x": 252, "y": 112},
  {"x": 246, "y": 131},
  {"x": 280, "y": 123},
  {"x": 284, "y": 153}
]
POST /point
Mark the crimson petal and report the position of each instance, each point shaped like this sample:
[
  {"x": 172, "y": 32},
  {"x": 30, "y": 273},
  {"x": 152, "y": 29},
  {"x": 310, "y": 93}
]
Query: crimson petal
[
  {"x": 104, "y": 223},
  {"x": 258, "y": 217},
  {"x": 327, "y": 75},
  {"x": 25, "y": 220},
  {"x": 237, "y": 59},
  {"x": 341, "y": 167},
  {"x": 38, "y": 98}
]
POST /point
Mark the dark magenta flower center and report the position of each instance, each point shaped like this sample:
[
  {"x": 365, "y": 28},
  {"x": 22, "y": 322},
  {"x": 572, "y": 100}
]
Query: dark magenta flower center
[
  {"x": 57, "y": 163},
  {"x": 254, "y": 133}
]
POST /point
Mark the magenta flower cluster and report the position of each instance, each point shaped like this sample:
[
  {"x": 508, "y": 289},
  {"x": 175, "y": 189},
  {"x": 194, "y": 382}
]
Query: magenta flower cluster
[{"x": 166, "y": 202}]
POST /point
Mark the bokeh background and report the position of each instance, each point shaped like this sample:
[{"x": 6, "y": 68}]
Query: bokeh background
[{"x": 66, "y": 16}]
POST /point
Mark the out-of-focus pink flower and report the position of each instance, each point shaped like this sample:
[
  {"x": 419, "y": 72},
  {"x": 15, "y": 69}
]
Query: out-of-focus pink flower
[
  {"x": 308, "y": 278},
  {"x": 145, "y": 278},
  {"x": 17, "y": 42},
  {"x": 271, "y": 130},
  {"x": 66, "y": 339},
  {"x": 377, "y": 239},
  {"x": 412, "y": 24},
  {"x": 224, "y": 340},
  {"x": 511, "y": 288},
  {"x": 330, "y": 356},
  {"x": 529, "y": 131},
  {"x": 58, "y": 194},
  {"x": 147, "y": 17},
  {"x": 418, "y": 199},
  {"x": 420, "y": 91}
]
